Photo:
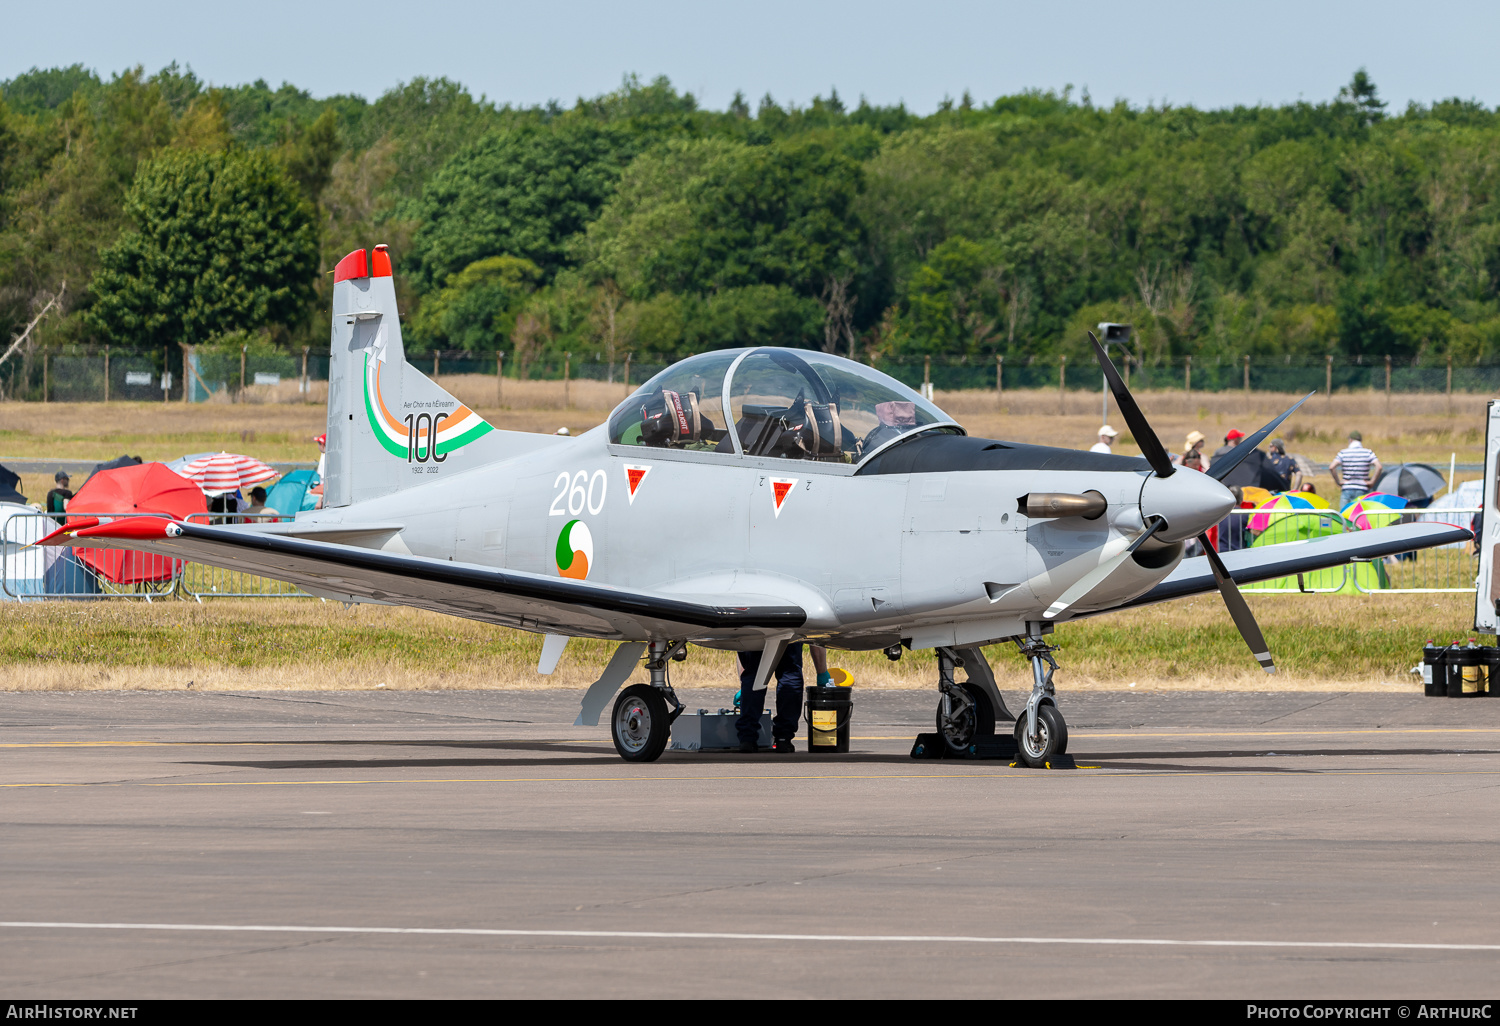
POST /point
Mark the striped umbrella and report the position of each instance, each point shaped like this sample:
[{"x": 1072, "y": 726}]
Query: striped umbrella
[
  {"x": 1366, "y": 512},
  {"x": 1282, "y": 506},
  {"x": 226, "y": 472}
]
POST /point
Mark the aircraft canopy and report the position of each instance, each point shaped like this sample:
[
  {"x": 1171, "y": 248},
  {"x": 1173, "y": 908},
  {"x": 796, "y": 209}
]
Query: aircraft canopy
[{"x": 785, "y": 403}]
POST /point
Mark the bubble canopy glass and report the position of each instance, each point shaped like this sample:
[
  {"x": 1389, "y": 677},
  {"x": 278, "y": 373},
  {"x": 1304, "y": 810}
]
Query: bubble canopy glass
[{"x": 782, "y": 403}]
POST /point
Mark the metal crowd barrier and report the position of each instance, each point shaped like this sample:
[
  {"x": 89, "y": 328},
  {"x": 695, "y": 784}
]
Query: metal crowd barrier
[{"x": 28, "y": 573}]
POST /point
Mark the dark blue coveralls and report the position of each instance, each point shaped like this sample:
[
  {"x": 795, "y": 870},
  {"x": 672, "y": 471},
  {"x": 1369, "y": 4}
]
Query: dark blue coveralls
[{"x": 788, "y": 695}]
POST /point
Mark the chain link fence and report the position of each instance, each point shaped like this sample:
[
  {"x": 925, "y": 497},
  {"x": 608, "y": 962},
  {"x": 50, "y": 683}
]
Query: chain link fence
[{"x": 194, "y": 374}]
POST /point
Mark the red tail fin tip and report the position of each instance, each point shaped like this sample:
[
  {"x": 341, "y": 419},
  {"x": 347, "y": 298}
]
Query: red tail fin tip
[
  {"x": 380, "y": 262},
  {"x": 355, "y": 265}
]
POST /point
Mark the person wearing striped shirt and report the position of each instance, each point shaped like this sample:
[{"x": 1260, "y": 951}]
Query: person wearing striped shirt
[{"x": 1355, "y": 469}]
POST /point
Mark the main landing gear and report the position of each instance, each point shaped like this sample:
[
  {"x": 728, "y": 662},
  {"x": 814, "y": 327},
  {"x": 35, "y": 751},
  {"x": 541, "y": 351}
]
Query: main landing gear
[
  {"x": 1041, "y": 734},
  {"x": 965, "y": 714},
  {"x": 641, "y": 723}
]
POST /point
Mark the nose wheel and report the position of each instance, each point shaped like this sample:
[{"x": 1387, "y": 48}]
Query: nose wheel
[{"x": 1048, "y": 743}]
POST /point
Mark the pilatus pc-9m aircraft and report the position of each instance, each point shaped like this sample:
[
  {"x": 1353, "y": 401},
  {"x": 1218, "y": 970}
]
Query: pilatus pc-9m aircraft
[{"x": 743, "y": 499}]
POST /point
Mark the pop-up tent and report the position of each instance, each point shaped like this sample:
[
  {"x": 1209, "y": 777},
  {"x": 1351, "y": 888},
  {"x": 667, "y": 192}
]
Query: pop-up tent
[{"x": 289, "y": 495}]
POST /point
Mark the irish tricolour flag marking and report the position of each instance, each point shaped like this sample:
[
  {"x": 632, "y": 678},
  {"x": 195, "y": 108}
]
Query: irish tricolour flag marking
[{"x": 781, "y": 487}]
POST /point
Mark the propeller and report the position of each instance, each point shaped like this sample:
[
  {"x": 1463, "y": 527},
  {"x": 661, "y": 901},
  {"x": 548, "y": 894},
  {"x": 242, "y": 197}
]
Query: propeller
[
  {"x": 1161, "y": 463},
  {"x": 1239, "y": 611},
  {"x": 1221, "y": 467},
  {"x": 1140, "y": 429},
  {"x": 1095, "y": 577}
]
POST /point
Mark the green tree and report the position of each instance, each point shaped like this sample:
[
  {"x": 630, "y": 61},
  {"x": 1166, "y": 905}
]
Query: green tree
[
  {"x": 523, "y": 191},
  {"x": 219, "y": 242},
  {"x": 476, "y": 310}
]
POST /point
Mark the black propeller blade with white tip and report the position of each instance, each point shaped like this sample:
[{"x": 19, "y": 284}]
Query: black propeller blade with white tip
[
  {"x": 1140, "y": 429},
  {"x": 1221, "y": 467},
  {"x": 1239, "y": 611}
]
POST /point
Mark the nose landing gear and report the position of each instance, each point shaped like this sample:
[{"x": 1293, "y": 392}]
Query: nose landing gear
[{"x": 1041, "y": 734}]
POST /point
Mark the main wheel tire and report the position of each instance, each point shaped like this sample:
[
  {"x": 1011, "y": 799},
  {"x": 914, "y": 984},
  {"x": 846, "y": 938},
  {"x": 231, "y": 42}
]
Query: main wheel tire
[
  {"x": 976, "y": 722},
  {"x": 1052, "y": 735},
  {"x": 640, "y": 724}
]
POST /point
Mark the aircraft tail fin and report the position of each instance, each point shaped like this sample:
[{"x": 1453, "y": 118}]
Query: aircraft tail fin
[{"x": 389, "y": 425}]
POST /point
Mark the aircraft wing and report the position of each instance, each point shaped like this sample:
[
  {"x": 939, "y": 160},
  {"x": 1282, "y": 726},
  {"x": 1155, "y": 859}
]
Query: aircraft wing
[
  {"x": 1193, "y": 576},
  {"x": 513, "y": 598}
]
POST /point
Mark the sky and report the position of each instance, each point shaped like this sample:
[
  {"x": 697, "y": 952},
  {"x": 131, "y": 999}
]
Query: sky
[{"x": 1204, "y": 53}]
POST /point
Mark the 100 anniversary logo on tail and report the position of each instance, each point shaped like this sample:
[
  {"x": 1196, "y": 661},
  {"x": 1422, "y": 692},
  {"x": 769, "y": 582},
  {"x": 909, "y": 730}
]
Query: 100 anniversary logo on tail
[{"x": 429, "y": 435}]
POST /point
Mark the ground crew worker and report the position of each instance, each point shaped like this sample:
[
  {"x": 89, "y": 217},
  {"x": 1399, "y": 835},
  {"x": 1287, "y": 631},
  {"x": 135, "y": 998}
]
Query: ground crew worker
[{"x": 788, "y": 684}]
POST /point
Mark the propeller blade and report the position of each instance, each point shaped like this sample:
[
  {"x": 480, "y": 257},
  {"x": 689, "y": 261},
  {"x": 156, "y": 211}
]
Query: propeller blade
[
  {"x": 1233, "y": 457},
  {"x": 1239, "y": 611},
  {"x": 1140, "y": 429},
  {"x": 1097, "y": 576}
]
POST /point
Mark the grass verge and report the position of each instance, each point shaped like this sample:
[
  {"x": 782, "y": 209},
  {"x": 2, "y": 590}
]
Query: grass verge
[{"x": 1321, "y": 643}]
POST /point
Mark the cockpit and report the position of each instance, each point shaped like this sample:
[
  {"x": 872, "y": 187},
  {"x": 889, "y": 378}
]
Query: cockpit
[{"x": 782, "y": 403}]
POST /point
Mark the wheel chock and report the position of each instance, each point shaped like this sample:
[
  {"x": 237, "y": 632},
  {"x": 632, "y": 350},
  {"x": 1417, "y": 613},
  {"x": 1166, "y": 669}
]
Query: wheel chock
[{"x": 1057, "y": 762}]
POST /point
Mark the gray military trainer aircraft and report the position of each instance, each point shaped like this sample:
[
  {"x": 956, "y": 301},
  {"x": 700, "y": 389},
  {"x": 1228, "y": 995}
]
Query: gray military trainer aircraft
[{"x": 743, "y": 499}]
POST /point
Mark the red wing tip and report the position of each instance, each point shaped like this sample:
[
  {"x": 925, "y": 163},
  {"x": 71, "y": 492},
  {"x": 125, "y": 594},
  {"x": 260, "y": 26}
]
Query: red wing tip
[{"x": 131, "y": 527}]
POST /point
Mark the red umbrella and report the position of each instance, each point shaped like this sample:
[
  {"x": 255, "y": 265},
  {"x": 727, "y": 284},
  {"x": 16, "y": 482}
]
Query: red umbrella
[{"x": 147, "y": 488}]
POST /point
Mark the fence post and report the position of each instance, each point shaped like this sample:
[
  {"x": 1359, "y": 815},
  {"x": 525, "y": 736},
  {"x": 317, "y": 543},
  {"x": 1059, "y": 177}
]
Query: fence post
[
  {"x": 499, "y": 378},
  {"x": 1188, "y": 381},
  {"x": 1328, "y": 379},
  {"x": 1247, "y": 375},
  {"x": 1127, "y": 372},
  {"x": 306, "y": 384},
  {"x": 999, "y": 383},
  {"x": 244, "y": 352},
  {"x": 926, "y": 377},
  {"x": 166, "y": 379},
  {"x": 1450, "y": 383},
  {"x": 1387, "y": 384},
  {"x": 435, "y": 355},
  {"x": 46, "y": 373},
  {"x": 627, "y": 372},
  {"x": 106, "y": 373},
  {"x": 1062, "y": 385},
  {"x": 187, "y": 380},
  {"x": 567, "y": 368}
]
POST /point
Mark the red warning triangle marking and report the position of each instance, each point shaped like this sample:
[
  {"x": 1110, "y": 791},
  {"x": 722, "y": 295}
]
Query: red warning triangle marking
[
  {"x": 634, "y": 474},
  {"x": 781, "y": 487}
]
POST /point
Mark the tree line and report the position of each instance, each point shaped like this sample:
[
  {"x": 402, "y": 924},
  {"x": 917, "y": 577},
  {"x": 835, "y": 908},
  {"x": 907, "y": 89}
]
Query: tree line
[{"x": 153, "y": 209}]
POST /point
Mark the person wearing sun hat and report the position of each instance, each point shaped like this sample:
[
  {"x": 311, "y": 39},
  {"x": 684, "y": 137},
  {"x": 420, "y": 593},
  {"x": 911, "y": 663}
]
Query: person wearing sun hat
[
  {"x": 1107, "y": 436},
  {"x": 1192, "y": 452}
]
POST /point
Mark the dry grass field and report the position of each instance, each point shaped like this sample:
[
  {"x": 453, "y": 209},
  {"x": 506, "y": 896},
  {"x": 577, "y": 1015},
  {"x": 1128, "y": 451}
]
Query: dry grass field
[{"x": 1321, "y": 643}]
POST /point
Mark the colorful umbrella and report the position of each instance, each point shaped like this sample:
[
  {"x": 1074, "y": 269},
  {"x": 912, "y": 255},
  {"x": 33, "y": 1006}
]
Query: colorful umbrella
[
  {"x": 226, "y": 472},
  {"x": 1365, "y": 513},
  {"x": 1255, "y": 495},
  {"x": 1386, "y": 499},
  {"x": 144, "y": 488},
  {"x": 1283, "y": 505}
]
